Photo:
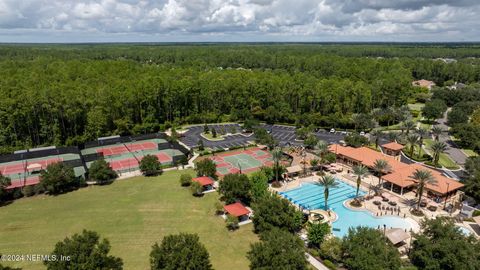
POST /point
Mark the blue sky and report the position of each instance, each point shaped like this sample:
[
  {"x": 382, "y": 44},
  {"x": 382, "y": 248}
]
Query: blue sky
[{"x": 239, "y": 20}]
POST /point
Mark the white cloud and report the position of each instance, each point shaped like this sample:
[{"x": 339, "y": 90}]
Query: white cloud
[{"x": 247, "y": 20}]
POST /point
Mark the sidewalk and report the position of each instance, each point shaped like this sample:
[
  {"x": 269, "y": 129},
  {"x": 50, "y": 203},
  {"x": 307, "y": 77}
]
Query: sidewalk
[{"x": 315, "y": 263}]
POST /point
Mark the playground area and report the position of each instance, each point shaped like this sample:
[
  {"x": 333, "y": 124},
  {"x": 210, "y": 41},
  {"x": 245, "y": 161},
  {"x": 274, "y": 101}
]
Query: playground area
[
  {"x": 243, "y": 161},
  {"x": 126, "y": 157},
  {"x": 26, "y": 172}
]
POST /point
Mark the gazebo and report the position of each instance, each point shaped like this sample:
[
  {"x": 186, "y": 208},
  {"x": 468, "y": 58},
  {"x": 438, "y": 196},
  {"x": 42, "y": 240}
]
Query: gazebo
[
  {"x": 397, "y": 236},
  {"x": 393, "y": 149},
  {"x": 238, "y": 210},
  {"x": 293, "y": 170},
  {"x": 205, "y": 181}
]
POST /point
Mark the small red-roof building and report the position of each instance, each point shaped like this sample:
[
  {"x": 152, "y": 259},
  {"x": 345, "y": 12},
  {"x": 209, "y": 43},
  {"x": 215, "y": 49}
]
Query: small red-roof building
[
  {"x": 237, "y": 210},
  {"x": 205, "y": 181},
  {"x": 393, "y": 149}
]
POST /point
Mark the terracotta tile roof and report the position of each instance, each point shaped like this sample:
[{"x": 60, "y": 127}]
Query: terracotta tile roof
[
  {"x": 204, "y": 180},
  {"x": 393, "y": 146},
  {"x": 365, "y": 155},
  {"x": 402, "y": 173},
  {"x": 236, "y": 209}
]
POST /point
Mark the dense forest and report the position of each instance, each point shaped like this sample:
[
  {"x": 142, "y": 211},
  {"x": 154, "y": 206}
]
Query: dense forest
[{"x": 69, "y": 94}]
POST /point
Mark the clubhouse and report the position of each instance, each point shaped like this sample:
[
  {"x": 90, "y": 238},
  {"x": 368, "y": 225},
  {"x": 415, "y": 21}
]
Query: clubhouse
[{"x": 399, "y": 178}]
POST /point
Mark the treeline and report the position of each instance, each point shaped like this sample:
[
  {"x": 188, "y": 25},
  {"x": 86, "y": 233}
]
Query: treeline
[
  {"x": 320, "y": 59},
  {"x": 66, "y": 95}
]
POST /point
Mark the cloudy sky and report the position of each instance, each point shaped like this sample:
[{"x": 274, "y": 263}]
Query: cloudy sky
[{"x": 238, "y": 20}]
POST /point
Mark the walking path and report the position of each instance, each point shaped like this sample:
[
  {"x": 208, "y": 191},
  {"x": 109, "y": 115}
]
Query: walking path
[
  {"x": 452, "y": 150},
  {"x": 315, "y": 263}
]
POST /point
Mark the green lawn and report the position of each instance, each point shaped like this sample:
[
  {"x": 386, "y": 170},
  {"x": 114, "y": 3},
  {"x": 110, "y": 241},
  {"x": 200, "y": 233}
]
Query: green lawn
[
  {"x": 469, "y": 153},
  {"x": 133, "y": 214},
  {"x": 444, "y": 159}
]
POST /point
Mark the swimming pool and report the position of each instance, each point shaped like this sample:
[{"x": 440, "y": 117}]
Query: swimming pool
[{"x": 310, "y": 196}]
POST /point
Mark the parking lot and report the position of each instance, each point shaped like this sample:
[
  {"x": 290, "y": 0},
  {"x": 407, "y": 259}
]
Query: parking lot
[
  {"x": 285, "y": 135},
  {"x": 192, "y": 136}
]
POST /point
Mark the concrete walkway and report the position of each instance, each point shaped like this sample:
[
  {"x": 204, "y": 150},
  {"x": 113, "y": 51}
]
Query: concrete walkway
[{"x": 315, "y": 263}]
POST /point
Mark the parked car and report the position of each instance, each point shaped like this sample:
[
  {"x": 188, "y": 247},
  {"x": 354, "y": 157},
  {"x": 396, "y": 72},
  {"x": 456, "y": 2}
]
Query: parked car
[{"x": 332, "y": 130}]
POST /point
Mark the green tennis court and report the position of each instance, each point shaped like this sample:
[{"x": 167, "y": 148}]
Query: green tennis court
[{"x": 243, "y": 161}]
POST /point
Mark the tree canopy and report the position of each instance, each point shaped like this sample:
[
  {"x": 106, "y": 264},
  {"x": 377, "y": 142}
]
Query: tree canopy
[
  {"x": 59, "y": 178},
  {"x": 277, "y": 249},
  {"x": 367, "y": 249},
  {"x": 71, "y": 94},
  {"x": 235, "y": 187},
  {"x": 101, "y": 172},
  {"x": 180, "y": 251},
  {"x": 443, "y": 246},
  {"x": 85, "y": 251},
  {"x": 149, "y": 165},
  {"x": 206, "y": 167},
  {"x": 272, "y": 211}
]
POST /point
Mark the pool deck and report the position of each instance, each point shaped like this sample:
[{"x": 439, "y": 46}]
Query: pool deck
[{"x": 404, "y": 203}]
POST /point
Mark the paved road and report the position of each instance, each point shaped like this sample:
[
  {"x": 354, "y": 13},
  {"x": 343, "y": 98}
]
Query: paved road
[{"x": 456, "y": 154}]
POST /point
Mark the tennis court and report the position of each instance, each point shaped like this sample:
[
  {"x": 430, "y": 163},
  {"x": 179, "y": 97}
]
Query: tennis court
[
  {"x": 26, "y": 172},
  {"x": 126, "y": 157},
  {"x": 125, "y": 148},
  {"x": 244, "y": 161}
]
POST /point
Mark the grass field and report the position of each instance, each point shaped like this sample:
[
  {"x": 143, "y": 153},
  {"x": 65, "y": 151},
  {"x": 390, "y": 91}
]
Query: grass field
[
  {"x": 133, "y": 214},
  {"x": 444, "y": 159}
]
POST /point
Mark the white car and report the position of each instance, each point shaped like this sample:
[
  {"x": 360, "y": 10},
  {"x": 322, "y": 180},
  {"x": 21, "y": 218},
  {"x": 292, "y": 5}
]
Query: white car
[
  {"x": 362, "y": 133},
  {"x": 332, "y": 130}
]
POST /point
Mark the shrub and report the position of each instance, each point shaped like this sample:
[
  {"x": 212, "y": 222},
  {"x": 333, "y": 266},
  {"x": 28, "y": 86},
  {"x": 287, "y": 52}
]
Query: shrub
[
  {"x": 232, "y": 222},
  {"x": 185, "y": 180},
  {"x": 196, "y": 189},
  {"x": 331, "y": 249},
  {"x": 28, "y": 191},
  {"x": 330, "y": 265},
  {"x": 316, "y": 233},
  {"x": 476, "y": 213},
  {"x": 219, "y": 208}
]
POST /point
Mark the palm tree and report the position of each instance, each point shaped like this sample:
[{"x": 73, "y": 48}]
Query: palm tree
[
  {"x": 423, "y": 177},
  {"x": 277, "y": 156},
  {"x": 392, "y": 136},
  {"x": 360, "y": 171},
  {"x": 437, "y": 149},
  {"x": 377, "y": 134},
  {"x": 321, "y": 149},
  {"x": 408, "y": 126},
  {"x": 381, "y": 166},
  {"x": 422, "y": 133},
  {"x": 437, "y": 131},
  {"x": 327, "y": 182},
  {"x": 412, "y": 141}
]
